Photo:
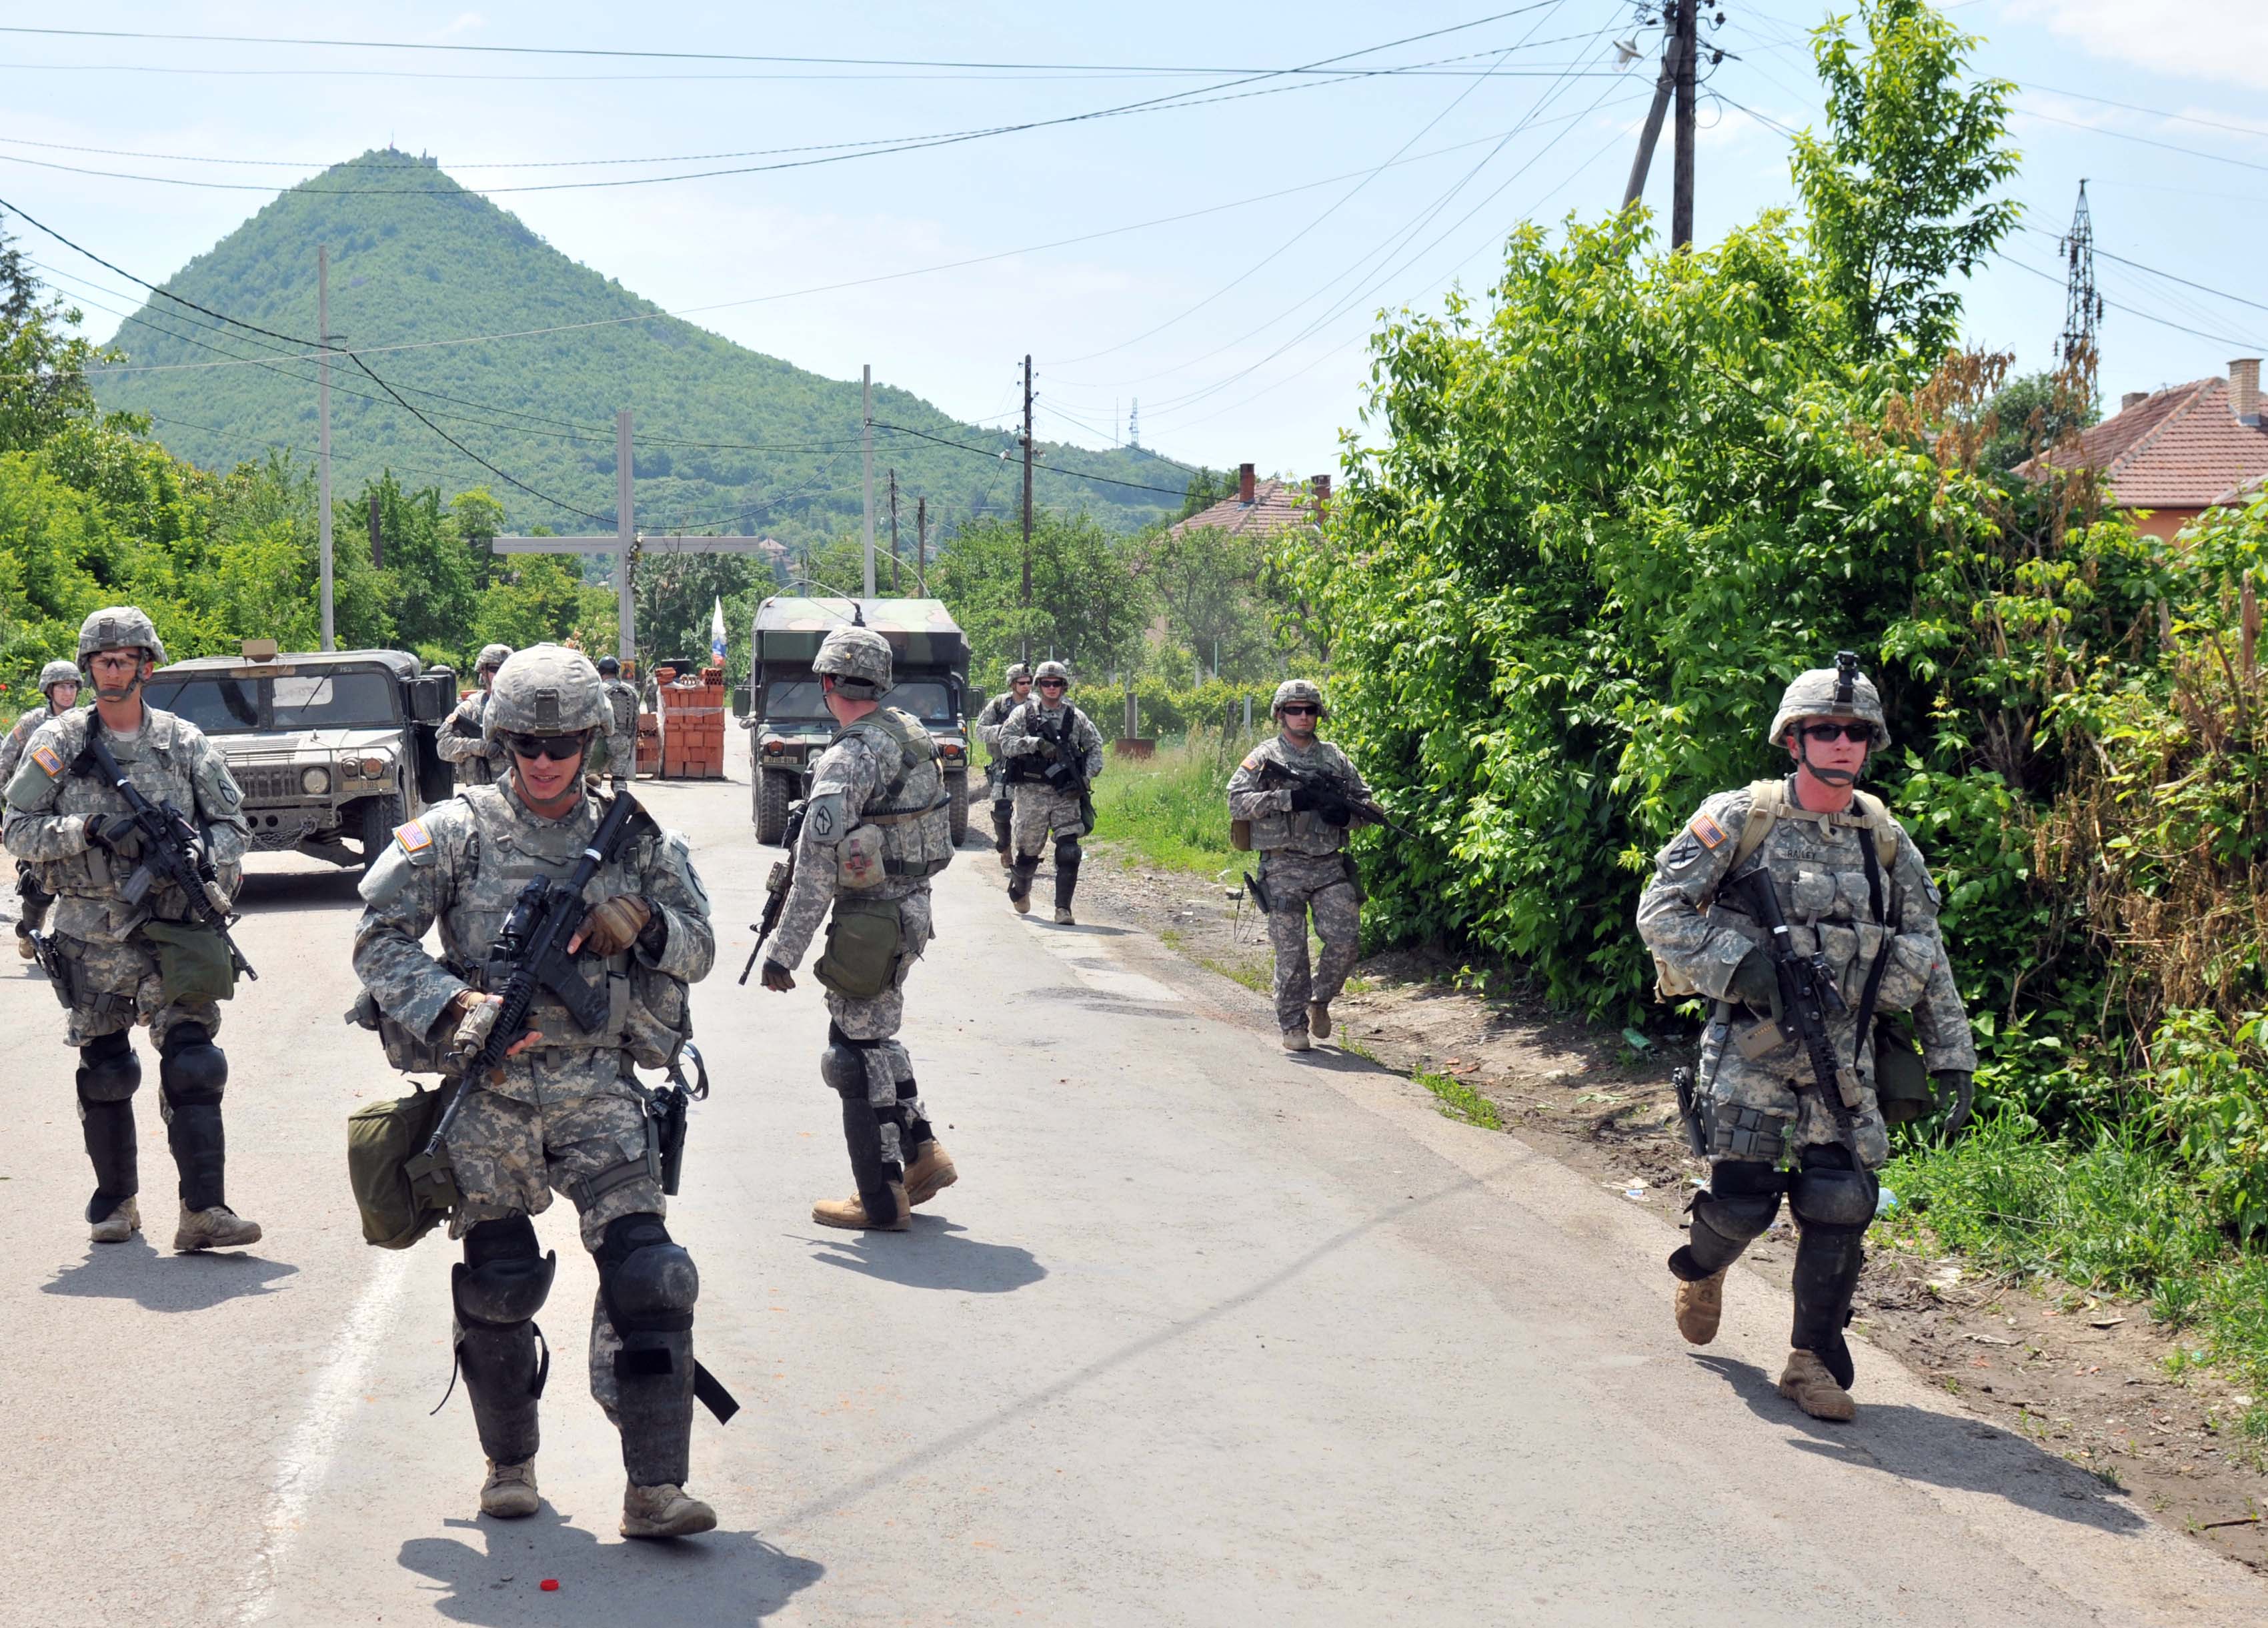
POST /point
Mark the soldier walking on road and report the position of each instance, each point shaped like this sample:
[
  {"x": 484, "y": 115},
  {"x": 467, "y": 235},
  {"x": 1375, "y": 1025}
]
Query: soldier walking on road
[
  {"x": 145, "y": 960},
  {"x": 1054, "y": 753},
  {"x": 996, "y": 767},
  {"x": 1304, "y": 865},
  {"x": 564, "y": 1111},
  {"x": 622, "y": 734},
  {"x": 59, "y": 690},
  {"x": 464, "y": 739},
  {"x": 1855, "y": 891},
  {"x": 877, "y": 827}
]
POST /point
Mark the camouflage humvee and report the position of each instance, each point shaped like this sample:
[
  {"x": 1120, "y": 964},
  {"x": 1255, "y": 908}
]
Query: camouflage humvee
[
  {"x": 928, "y": 661},
  {"x": 328, "y": 748}
]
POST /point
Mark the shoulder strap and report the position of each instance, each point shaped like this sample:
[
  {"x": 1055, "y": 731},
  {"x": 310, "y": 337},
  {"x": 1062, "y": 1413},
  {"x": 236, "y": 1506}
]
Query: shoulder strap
[
  {"x": 1766, "y": 800},
  {"x": 1883, "y": 825}
]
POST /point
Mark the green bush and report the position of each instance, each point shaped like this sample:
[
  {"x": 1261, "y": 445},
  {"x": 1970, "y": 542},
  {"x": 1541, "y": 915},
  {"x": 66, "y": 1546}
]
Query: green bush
[{"x": 1173, "y": 808}]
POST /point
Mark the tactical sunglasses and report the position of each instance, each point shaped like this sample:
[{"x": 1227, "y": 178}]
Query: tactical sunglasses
[
  {"x": 1051, "y": 683},
  {"x": 1822, "y": 733},
  {"x": 558, "y": 748},
  {"x": 1302, "y": 711}
]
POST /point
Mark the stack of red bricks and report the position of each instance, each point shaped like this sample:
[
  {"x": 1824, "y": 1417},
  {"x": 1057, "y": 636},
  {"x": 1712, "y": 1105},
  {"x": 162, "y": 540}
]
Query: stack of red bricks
[{"x": 693, "y": 716}]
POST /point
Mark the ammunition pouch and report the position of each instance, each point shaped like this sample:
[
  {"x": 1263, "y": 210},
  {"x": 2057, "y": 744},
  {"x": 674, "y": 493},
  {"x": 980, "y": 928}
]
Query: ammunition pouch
[
  {"x": 405, "y": 1050},
  {"x": 193, "y": 962},
  {"x": 1902, "y": 1087},
  {"x": 866, "y": 948}
]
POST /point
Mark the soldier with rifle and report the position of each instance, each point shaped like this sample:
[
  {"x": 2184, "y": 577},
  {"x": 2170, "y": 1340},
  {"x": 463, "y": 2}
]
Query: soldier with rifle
[
  {"x": 1805, "y": 916},
  {"x": 464, "y": 739},
  {"x": 59, "y": 694},
  {"x": 996, "y": 767},
  {"x": 571, "y": 924},
  {"x": 1054, "y": 752},
  {"x": 1294, "y": 799},
  {"x": 129, "y": 816}
]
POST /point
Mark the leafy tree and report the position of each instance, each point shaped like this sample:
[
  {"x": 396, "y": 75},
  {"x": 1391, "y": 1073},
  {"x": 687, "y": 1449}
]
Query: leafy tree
[
  {"x": 43, "y": 364},
  {"x": 1207, "y": 582},
  {"x": 2029, "y": 414},
  {"x": 1088, "y": 607},
  {"x": 1896, "y": 191}
]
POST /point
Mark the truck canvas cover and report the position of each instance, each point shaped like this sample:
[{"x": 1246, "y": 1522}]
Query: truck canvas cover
[{"x": 921, "y": 633}]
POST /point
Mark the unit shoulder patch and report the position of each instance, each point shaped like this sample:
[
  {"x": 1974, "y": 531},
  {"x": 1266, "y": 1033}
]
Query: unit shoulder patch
[{"x": 1707, "y": 832}]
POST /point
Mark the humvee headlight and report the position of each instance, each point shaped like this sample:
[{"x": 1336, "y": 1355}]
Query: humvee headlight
[
  {"x": 373, "y": 768},
  {"x": 315, "y": 781}
]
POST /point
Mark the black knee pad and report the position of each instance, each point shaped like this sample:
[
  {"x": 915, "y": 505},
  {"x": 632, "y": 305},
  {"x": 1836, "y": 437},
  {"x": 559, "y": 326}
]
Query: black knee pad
[
  {"x": 504, "y": 1279},
  {"x": 1734, "y": 1210},
  {"x": 191, "y": 1068},
  {"x": 843, "y": 1065},
  {"x": 650, "y": 1281},
  {"x": 108, "y": 1070},
  {"x": 1831, "y": 1197},
  {"x": 1067, "y": 853}
]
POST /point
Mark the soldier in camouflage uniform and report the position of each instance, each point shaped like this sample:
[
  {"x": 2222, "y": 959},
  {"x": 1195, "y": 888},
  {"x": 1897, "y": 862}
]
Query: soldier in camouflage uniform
[
  {"x": 464, "y": 739},
  {"x": 59, "y": 688},
  {"x": 876, "y": 828},
  {"x": 136, "y": 963},
  {"x": 988, "y": 730},
  {"x": 1853, "y": 887},
  {"x": 1042, "y": 804},
  {"x": 563, "y": 1112},
  {"x": 1304, "y": 865},
  {"x": 622, "y": 735}
]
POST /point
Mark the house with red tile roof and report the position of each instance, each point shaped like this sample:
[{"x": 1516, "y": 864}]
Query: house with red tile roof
[
  {"x": 1261, "y": 508},
  {"x": 2171, "y": 455}
]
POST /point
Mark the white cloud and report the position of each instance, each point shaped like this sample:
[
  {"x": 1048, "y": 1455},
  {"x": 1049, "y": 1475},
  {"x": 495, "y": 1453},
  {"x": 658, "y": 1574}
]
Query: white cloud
[{"x": 2224, "y": 41}]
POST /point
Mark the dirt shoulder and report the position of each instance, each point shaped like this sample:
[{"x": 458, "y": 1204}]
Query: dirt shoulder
[{"x": 2092, "y": 1380}]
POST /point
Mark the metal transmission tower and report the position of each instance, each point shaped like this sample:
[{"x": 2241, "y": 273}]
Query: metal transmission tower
[{"x": 2082, "y": 310}]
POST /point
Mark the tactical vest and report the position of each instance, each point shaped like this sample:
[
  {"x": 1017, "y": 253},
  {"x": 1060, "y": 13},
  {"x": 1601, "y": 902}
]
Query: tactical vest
[
  {"x": 913, "y": 809},
  {"x": 1029, "y": 766},
  {"x": 648, "y": 1013},
  {"x": 164, "y": 775}
]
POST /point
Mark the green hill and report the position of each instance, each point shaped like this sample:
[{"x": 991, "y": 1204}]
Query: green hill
[{"x": 727, "y": 438}]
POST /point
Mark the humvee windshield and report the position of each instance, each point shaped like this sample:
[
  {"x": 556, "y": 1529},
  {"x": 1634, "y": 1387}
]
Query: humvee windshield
[
  {"x": 220, "y": 704},
  {"x": 797, "y": 700}
]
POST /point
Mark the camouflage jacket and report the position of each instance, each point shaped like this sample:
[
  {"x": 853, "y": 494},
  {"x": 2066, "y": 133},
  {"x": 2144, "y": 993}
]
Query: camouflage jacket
[
  {"x": 171, "y": 762},
  {"x": 12, "y": 749},
  {"x": 463, "y": 740},
  {"x": 988, "y": 721},
  {"x": 622, "y": 738},
  {"x": 1275, "y": 825},
  {"x": 1819, "y": 864},
  {"x": 462, "y": 864},
  {"x": 1019, "y": 734},
  {"x": 854, "y": 771}
]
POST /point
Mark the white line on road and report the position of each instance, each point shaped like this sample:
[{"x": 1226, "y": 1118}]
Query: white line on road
[{"x": 307, "y": 1458}]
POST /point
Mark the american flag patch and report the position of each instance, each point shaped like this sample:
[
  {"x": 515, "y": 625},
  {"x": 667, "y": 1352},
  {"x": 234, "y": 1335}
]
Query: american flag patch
[
  {"x": 47, "y": 758},
  {"x": 1707, "y": 832},
  {"x": 413, "y": 837}
]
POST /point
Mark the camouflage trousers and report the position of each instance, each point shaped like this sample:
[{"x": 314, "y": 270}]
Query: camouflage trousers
[
  {"x": 115, "y": 986},
  {"x": 508, "y": 1156},
  {"x": 872, "y": 1027},
  {"x": 1041, "y": 808},
  {"x": 1300, "y": 884},
  {"x": 1768, "y": 1108}
]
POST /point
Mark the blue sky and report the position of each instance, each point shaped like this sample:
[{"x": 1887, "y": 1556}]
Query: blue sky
[{"x": 1240, "y": 329}]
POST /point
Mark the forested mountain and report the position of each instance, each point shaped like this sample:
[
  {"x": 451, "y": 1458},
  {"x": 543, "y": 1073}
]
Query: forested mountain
[{"x": 728, "y": 439}]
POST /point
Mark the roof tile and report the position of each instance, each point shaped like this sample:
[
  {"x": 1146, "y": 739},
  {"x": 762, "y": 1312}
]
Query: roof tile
[{"x": 2182, "y": 448}]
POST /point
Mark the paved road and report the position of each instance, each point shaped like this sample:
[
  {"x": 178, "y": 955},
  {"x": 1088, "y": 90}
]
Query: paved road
[{"x": 1206, "y": 1335}]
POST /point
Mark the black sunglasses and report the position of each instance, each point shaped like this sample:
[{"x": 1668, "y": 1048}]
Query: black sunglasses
[
  {"x": 558, "y": 748},
  {"x": 1822, "y": 733},
  {"x": 1302, "y": 711},
  {"x": 1051, "y": 683}
]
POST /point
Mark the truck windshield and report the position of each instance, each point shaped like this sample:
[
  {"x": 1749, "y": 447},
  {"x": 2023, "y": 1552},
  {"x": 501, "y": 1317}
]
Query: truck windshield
[
  {"x": 221, "y": 705},
  {"x": 790, "y": 701},
  {"x": 927, "y": 699}
]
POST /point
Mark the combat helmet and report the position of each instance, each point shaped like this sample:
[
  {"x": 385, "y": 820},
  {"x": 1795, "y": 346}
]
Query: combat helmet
[
  {"x": 58, "y": 673},
  {"x": 1052, "y": 669},
  {"x": 1019, "y": 670},
  {"x": 609, "y": 667},
  {"x": 492, "y": 657},
  {"x": 548, "y": 689},
  {"x": 1839, "y": 691},
  {"x": 1298, "y": 689},
  {"x": 858, "y": 659},
  {"x": 119, "y": 627}
]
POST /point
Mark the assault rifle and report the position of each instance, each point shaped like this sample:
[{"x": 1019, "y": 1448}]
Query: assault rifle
[
  {"x": 1067, "y": 769},
  {"x": 1807, "y": 996},
  {"x": 531, "y": 954},
  {"x": 776, "y": 886},
  {"x": 1332, "y": 793},
  {"x": 173, "y": 854}
]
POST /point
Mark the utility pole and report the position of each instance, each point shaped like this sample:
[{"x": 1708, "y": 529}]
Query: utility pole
[
  {"x": 323, "y": 410},
  {"x": 1665, "y": 86},
  {"x": 921, "y": 544},
  {"x": 1681, "y": 207},
  {"x": 1028, "y": 498},
  {"x": 377, "y": 539},
  {"x": 894, "y": 531},
  {"x": 2082, "y": 310},
  {"x": 867, "y": 433}
]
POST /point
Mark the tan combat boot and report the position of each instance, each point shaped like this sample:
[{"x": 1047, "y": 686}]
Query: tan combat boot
[
  {"x": 119, "y": 1225},
  {"x": 1023, "y": 906},
  {"x": 25, "y": 947},
  {"x": 1806, "y": 1382},
  {"x": 930, "y": 1173},
  {"x": 1063, "y": 916},
  {"x": 219, "y": 1227},
  {"x": 1319, "y": 1018},
  {"x": 664, "y": 1511},
  {"x": 1700, "y": 1307},
  {"x": 509, "y": 1493},
  {"x": 851, "y": 1213},
  {"x": 1296, "y": 1040}
]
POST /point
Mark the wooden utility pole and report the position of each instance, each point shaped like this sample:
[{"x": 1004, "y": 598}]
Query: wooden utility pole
[
  {"x": 377, "y": 539},
  {"x": 323, "y": 409},
  {"x": 1028, "y": 499},
  {"x": 894, "y": 531},
  {"x": 921, "y": 544},
  {"x": 1665, "y": 86},
  {"x": 866, "y": 441},
  {"x": 1687, "y": 24}
]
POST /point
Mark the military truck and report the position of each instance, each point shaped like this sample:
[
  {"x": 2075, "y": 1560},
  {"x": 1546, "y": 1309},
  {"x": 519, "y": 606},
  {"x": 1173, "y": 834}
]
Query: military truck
[
  {"x": 790, "y": 726},
  {"x": 330, "y": 749}
]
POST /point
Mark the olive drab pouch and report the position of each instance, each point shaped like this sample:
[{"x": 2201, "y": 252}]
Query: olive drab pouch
[
  {"x": 1240, "y": 835},
  {"x": 405, "y": 1049},
  {"x": 1902, "y": 1089},
  {"x": 193, "y": 962},
  {"x": 865, "y": 946},
  {"x": 401, "y": 1195}
]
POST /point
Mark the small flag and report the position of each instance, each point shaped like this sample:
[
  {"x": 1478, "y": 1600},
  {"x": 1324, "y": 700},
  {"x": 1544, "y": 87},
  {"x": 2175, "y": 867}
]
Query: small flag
[{"x": 717, "y": 629}]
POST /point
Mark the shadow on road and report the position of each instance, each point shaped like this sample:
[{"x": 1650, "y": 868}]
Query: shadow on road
[
  {"x": 1080, "y": 930},
  {"x": 286, "y": 890},
  {"x": 1326, "y": 1056},
  {"x": 1915, "y": 1444},
  {"x": 935, "y": 1255},
  {"x": 134, "y": 1271},
  {"x": 720, "y": 1578}
]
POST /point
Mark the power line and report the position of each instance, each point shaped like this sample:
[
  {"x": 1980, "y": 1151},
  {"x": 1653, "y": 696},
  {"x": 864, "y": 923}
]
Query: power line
[
  {"x": 1080, "y": 475},
  {"x": 2201, "y": 288},
  {"x": 2225, "y": 339},
  {"x": 2126, "y": 135}
]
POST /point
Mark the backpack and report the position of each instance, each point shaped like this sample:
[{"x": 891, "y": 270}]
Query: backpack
[{"x": 401, "y": 1195}]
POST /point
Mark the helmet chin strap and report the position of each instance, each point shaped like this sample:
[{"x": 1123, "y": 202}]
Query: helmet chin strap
[{"x": 1824, "y": 775}]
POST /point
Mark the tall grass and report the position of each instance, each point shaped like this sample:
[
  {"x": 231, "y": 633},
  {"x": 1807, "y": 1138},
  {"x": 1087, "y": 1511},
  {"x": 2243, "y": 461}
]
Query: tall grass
[{"x": 1173, "y": 808}]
